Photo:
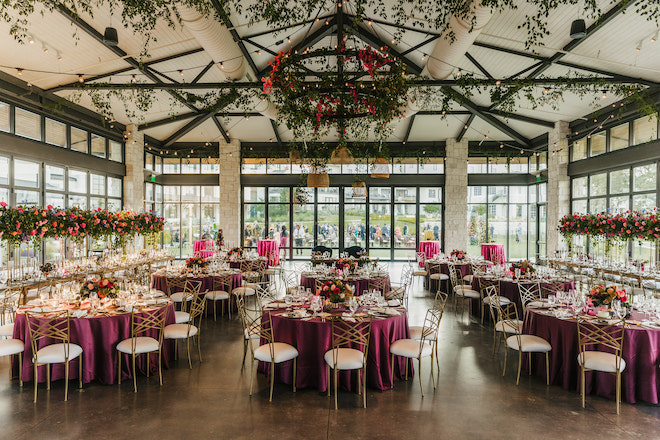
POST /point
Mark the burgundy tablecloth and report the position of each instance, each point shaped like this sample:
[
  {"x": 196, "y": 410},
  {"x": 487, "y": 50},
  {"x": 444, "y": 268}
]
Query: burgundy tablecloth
[
  {"x": 160, "y": 282},
  {"x": 510, "y": 290},
  {"x": 431, "y": 268},
  {"x": 314, "y": 337},
  {"x": 360, "y": 284},
  {"x": 640, "y": 381},
  {"x": 494, "y": 253},
  {"x": 270, "y": 249},
  {"x": 429, "y": 248},
  {"x": 199, "y": 246},
  {"x": 98, "y": 338}
]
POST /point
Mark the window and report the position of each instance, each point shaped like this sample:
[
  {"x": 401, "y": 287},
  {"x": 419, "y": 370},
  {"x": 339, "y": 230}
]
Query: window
[
  {"x": 432, "y": 165},
  {"x": 254, "y": 166},
  {"x": 97, "y": 184},
  {"x": 190, "y": 166},
  {"x": 598, "y": 143},
  {"x": 55, "y": 133},
  {"x": 26, "y": 174},
  {"x": 4, "y": 116},
  {"x": 620, "y": 181},
  {"x": 77, "y": 181},
  {"x": 405, "y": 165},
  {"x": 580, "y": 187},
  {"x": 148, "y": 161},
  {"x": 645, "y": 129},
  {"x": 280, "y": 166},
  {"x": 115, "y": 151},
  {"x": 78, "y": 140},
  {"x": 598, "y": 184},
  {"x": 28, "y": 124},
  {"x": 644, "y": 178},
  {"x": 210, "y": 166},
  {"x": 54, "y": 178},
  {"x": 4, "y": 170},
  {"x": 477, "y": 165},
  {"x": 171, "y": 165},
  {"x": 619, "y": 137},
  {"x": 519, "y": 165},
  {"x": 98, "y": 146},
  {"x": 114, "y": 187},
  {"x": 580, "y": 149},
  {"x": 498, "y": 165}
]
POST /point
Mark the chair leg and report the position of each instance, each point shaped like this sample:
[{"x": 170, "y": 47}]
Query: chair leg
[
  {"x": 582, "y": 384},
  {"x": 419, "y": 363},
  {"x": 519, "y": 365},
  {"x": 223, "y": 307},
  {"x": 251, "y": 375},
  {"x": 20, "y": 369},
  {"x": 618, "y": 391},
  {"x": 119, "y": 355},
  {"x": 272, "y": 380},
  {"x": 529, "y": 363},
  {"x": 48, "y": 376},
  {"x": 547, "y": 368},
  {"x": 392, "y": 371},
  {"x": 336, "y": 380},
  {"x": 80, "y": 365},
  {"x": 134, "y": 374},
  {"x": 148, "y": 362},
  {"x": 36, "y": 378},
  {"x": 188, "y": 351},
  {"x": 406, "y": 368},
  {"x": 483, "y": 310},
  {"x": 364, "y": 386},
  {"x": 327, "y": 370},
  {"x": 160, "y": 366},
  {"x": 66, "y": 380},
  {"x": 294, "y": 374},
  {"x": 506, "y": 351},
  {"x": 199, "y": 346}
]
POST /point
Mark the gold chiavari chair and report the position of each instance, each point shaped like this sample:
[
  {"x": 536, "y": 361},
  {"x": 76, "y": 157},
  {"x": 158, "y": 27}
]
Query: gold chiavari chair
[
  {"x": 436, "y": 275},
  {"x": 420, "y": 271},
  {"x": 190, "y": 329},
  {"x": 350, "y": 345},
  {"x": 419, "y": 348},
  {"x": 416, "y": 332},
  {"x": 551, "y": 288},
  {"x": 486, "y": 299},
  {"x": 8, "y": 304},
  {"x": 461, "y": 290},
  {"x": 505, "y": 318},
  {"x": 181, "y": 290},
  {"x": 49, "y": 327},
  {"x": 270, "y": 351},
  {"x": 146, "y": 338},
  {"x": 526, "y": 344},
  {"x": 529, "y": 294},
  {"x": 250, "y": 318},
  {"x": 221, "y": 288},
  {"x": 379, "y": 284},
  {"x": 610, "y": 337},
  {"x": 400, "y": 290}
]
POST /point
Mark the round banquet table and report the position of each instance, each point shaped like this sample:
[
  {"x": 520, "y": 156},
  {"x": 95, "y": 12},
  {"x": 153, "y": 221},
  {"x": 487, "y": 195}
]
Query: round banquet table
[
  {"x": 429, "y": 249},
  {"x": 361, "y": 284},
  {"x": 236, "y": 264},
  {"x": 313, "y": 338},
  {"x": 640, "y": 381},
  {"x": 432, "y": 267},
  {"x": 160, "y": 282},
  {"x": 270, "y": 249},
  {"x": 510, "y": 290},
  {"x": 493, "y": 252},
  {"x": 98, "y": 336},
  {"x": 199, "y": 247}
]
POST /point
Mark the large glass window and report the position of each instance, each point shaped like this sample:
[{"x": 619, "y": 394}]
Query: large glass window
[
  {"x": 619, "y": 137},
  {"x": 28, "y": 124},
  {"x": 115, "y": 151},
  {"x": 55, "y": 133},
  {"x": 598, "y": 143},
  {"x": 26, "y": 174},
  {"x": 77, "y": 181},
  {"x": 4, "y": 116},
  {"x": 645, "y": 129},
  {"x": 78, "y": 140},
  {"x": 580, "y": 149},
  {"x": 55, "y": 178},
  {"x": 98, "y": 146}
]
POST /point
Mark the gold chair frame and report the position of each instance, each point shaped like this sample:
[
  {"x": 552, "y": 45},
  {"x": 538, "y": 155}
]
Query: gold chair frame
[{"x": 223, "y": 283}]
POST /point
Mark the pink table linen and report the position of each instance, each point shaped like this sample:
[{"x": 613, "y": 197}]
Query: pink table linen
[
  {"x": 98, "y": 337},
  {"x": 494, "y": 253},
  {"x": 313, "y": 338},
  {"x": 429, "y": 248},
  {"x": 640, "y": 381},
  {"x": 270, "y": 249},
  {"x": 199, "y": 246}
]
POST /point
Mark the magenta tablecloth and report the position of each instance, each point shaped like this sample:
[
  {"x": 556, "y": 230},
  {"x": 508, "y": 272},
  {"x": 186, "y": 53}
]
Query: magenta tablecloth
[
  {"x": 510, "y": 290},
  {"x": 494, "y": 253},
  {"x": 314, "y": 337},
  {"x": 160, "y": 282},
  {"x": 640, "y": 381},
  {"x": 199, "y": 246},
  {"x": 361, "y": 284},
  {"x": 270, "y": 249},
  {"x": 429, "y": 248},
  {"x": 98, "y": 338}
]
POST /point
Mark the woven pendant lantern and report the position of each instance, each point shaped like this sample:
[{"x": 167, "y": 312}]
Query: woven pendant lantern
[
  {"x": 321, "y": 180},
  {"x": 294, "y": 156},
  {"x": 341, "y": 156},
  {"x": 380, "y": 168},
  {"x": 359, "y": 189}
]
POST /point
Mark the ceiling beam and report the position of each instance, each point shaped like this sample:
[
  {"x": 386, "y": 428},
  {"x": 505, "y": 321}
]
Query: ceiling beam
[
  {"x": 168, "y": 120},
  {"x": 276, "y": 131},
  {"x": 283, "y": 28},
  {"x": 465, "y": 127},
  {"x": 528, "y": 119},
  {"x": 221, "y": 129},
  {"x": 492, "y": 120},
  {"x": 398, "y": 26},
  {"x": 203, "y": 72},
  {"x": 422, "y": 44},
  {"x": 227, "y": 22},
  {"x": 476, "y": 63},
  {"x": 409, "y": 129},
  {"x": 199, "y": 120}
]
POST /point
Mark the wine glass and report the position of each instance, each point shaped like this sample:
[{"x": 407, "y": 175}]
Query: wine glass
[
  {"x": 315, "y": 304},
  {"x": 353, "y": 305},
  {"x": 288, "y": 300},
  {"x": 617, "y": 308},
  {"x": 552, "y": 300}
]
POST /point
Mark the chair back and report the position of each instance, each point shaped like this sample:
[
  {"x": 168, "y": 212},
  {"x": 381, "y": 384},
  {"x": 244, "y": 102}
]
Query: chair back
[
  {"x": 478, "y": 270},
  {"x": 529, "y": 291},
  {"x": 265, "y": 293},
  {"x": 592, "y": 335},
  {"x": 453, "y": 275},
  {"x": 508, "y": 314},
  {"x": 406, "y": 275},
  {"x": 182, "y": 284},
  {"x": 487, "y": 282},
  {"x": 354, "y": 251},
  {"x": 379, "y": 284},
  {"x": 354, "y": 335},
  {"x": 8, "y": 304},
  {"x": 431, "y": 325},
  {"x": 550, "y": 288},
  {"x": 440, "y": 302},
  {"x": 290, "y": 278},
  {"x": 325, "y": 251},
  {"x": 148, "y": 322},
  {"x": 223, "y": 283},
  {"x": 48, "y": 326},
  {"x": 421, "y": 257},
  {"x": 197, "y": 307}
]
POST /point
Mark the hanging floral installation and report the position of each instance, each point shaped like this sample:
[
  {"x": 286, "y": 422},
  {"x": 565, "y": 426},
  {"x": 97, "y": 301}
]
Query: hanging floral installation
[
  {"x": 631, "y": 225},
  {"x": 32, "y": 224},
  {"x": 365, "y": 89}
]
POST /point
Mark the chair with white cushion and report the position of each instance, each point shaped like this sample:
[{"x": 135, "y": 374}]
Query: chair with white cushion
[
  {"x": 181, "y": 290},
  {"x": 437, "y": 276},
  {"x": 250, "y": 321},
  {"x": 505, "y": 318},
  {"x": 8, "y": 305},
  {"x": 420, "y": 269},
  {"x": 610, "y": 337},
  {"x": 418, "y": 348},
  {"x": 350, "y": 345},
  {"x": 529, "y": 295},
  {"x": 221, "y": 292},
  {"x": 11, "y": 347},
  {"x": 190, "y": 329},
  {"x": 485, "y": 299},
  {"x": 146, "y": 338},
  {"x": 399, "y": 291},
  {"x": 52, "y": 329},
  {"x": 461, "y": 290},
  {"x": 416, "y": 332},
  {"x": 270, "y": 351}
]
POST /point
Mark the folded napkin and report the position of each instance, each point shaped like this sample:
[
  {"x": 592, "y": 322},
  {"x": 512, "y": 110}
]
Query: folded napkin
[
  {"x": 347, "y": 317},
  {"x": 393, "y": 303},
  {"x": 324, "y": 315},
  {"x": 34, "y": 302},
  {"x": 78, "y": 313},
  {"x": 298, "y": 313}
]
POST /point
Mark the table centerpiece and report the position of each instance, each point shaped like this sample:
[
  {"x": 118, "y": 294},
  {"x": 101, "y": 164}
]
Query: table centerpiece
[
  {"x": 104, "y": 288},
  {"x": 335, "y": 292},
  {"x": 600, "y": 296},
  {"x": 456, "y": 254},
  {"x": 347, "y": 263},
  {"x": 196, "y": 262},
  {"x": 522, "y": 269}
]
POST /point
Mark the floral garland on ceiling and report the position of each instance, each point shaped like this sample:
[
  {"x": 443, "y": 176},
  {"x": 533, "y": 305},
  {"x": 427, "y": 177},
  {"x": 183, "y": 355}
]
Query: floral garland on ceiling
[
  {"x": 21, "y": 224},
  {"x": 338, "y": 98}
]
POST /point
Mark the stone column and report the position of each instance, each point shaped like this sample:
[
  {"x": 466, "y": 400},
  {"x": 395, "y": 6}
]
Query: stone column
[
  {"x": 456, "y": 183},
  {"x": 134, "y": 160},
  {"x": 230, "y": 192},
  {"x": 559, "y": 195}
]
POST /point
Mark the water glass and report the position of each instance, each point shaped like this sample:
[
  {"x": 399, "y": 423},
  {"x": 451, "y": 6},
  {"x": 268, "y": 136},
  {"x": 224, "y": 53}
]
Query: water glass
[
  {"x": 552, "y": 300},
  {"x": 353, "y": 305}
]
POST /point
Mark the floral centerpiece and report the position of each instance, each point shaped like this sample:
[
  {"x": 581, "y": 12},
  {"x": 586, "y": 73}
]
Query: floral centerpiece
[
  {"x": 104, "y": 288},
  {"x": 196, "y": 262},
  {"x": 220, "y": 239},
  {"x": 363, "y": 258},
  {"x": 235, "y": 251},
  {"x": 455, "y": 254},
  {"x": 346, "y": 263},
  {"x": 525, "y": 267},
  {"x": 335, "y": 291},
  {"x": 603, "y": 296},
  {"x": 47, "y": 268}
]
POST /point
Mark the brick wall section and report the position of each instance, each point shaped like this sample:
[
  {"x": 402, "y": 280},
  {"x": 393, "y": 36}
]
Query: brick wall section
[
  {"x": 559, "y": 202},
  {"x": 230, "y": 192},
  {"x": 456, "y": 182}
]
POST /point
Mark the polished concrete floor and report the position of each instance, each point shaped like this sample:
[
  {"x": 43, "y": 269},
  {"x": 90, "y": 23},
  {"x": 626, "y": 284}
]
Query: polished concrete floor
[{"x": 472, "y": 400}]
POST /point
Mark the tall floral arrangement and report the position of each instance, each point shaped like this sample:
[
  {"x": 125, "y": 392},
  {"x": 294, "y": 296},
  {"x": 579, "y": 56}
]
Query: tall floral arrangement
[{"x": 631, "y": 225}]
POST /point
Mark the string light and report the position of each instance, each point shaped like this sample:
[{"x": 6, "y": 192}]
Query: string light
[
  {"x": 181, "y": 73},
  {"x": 19, "y": 71},
  {"x": 423, "y": 56},
  {"x": 604, "y": 95},
  {"x": 80, "y": 78},
  {"x": 133, "y": 79}
]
